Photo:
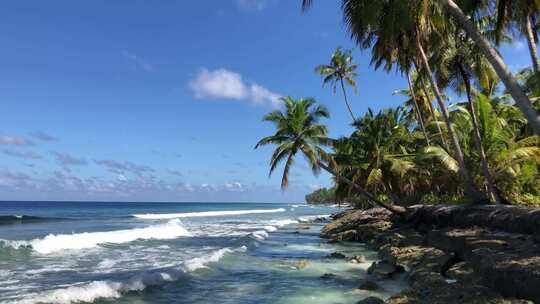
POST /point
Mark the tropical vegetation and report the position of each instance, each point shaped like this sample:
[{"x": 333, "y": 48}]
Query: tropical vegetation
[
  {"x": 322, "y": 196},
  {"x": 483, "y": 148}
]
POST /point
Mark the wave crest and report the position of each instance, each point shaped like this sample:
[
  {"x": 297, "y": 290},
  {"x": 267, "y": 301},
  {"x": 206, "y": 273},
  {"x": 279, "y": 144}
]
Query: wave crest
[
  {"x": 100, "y": 290},
  {"x": 59, "y": 242},
  {"x": 154, "y": 216}
]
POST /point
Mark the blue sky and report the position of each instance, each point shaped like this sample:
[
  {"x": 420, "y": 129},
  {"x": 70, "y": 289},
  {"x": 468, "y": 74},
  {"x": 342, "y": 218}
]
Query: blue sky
[{"x": 162, "y": 101}]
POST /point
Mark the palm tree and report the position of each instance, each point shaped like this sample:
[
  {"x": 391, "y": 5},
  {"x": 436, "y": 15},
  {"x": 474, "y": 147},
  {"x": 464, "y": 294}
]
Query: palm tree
[
  {"x": 417, "y": 107},
  {"x": 381, "y": 156},
  {"x": 508, "y": 150},
  {"x": 427, "y": 95},
  {"x": 397, "y": 31},
  {"x": 521, "y": 13},
  {"x": 370, "y": 13},
  {"x": 496, "y": 61},
  {"x": 340, "y": 70},
  {"x": 458, "y": 63},
  {"x": 299, "y": 131}
]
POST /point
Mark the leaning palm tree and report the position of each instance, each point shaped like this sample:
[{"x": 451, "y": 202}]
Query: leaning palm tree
[
  {"x": 519, "y": 96},
  {"x": 340, "y": 70},
  {"x": 519, "y": 15},
  {"x": 299, "y": 131},
  {"x": 400, "y": 32},
  {"x": 459, "y": 63},
  {"x": 371, "y": 11}
]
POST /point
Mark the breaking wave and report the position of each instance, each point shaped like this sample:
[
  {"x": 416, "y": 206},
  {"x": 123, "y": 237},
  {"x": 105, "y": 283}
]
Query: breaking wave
[
  {"x": 100, "y": 290},
  {"x": 154, "y": 216},
  {"x": 312, "y": 218},
  {"x": 59, "y": 242}
]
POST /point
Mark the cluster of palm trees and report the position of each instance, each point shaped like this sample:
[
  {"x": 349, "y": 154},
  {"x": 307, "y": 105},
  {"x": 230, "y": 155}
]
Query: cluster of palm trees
[{"x": 484, "y": 149}]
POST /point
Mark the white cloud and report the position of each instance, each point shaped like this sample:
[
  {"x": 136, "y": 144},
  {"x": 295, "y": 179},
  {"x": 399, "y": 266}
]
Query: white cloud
[
  {"x": 225, "y": 84},
  {"x": 235, "y": 186},
  {"x": 220, "y": 83},
  {"x": 261, "y": 94}
]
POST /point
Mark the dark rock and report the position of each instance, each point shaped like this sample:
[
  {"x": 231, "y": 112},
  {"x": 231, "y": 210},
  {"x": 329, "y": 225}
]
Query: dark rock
[
  {"x": 352, "y": 219},
  {"x": 427, "y": 258},
  {"x": 463, "y": 272},
  {"x": 515, "y": 219},
  {"x": 454, "y": 254},
  {"x": 359, "y": 259},
  {"x": 349, "y": 235},
  {"x": 369, "y": 285},
  {"x": 383, "y": 269},
  {"x": 336, "y": 255},
  {"x": 371, "y": 300},
  {"x": 328, "y": 276}
]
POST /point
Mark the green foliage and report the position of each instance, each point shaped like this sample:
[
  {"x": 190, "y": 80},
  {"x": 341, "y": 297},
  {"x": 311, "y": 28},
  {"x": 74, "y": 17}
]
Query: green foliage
[
  {"x": 298, "y": 130},
  {"x": 389, "y": 156},
  {"x": 322, "y": 196}
]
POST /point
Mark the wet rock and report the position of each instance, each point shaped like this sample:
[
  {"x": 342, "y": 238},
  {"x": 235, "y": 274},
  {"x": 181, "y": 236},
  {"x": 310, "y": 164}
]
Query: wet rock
[
  {"x": 371, "y": 300},
  {"x": 336, "y": 255},
  {"x": 358, "y": 259},
  {"x": 349, "y": 235},
  {"x": 463, "y": 272},
  {"x": 320, "y": 219},
  {"x": 300, "y": 264},
  {"x": 350, "y": 220},
  {"x": 383, "y": 269},
  {"x": 431, "y": 287},
  {"x": 369, "y": 285},
  {"x": 328, "y": 276},
  {"x": 453, "y": 253}
]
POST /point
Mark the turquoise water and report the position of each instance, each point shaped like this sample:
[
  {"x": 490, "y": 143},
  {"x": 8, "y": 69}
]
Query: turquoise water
[{"x": 89, "y": 252}]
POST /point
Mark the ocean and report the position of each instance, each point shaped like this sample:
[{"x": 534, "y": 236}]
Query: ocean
[{"x": 111, "y": 252}]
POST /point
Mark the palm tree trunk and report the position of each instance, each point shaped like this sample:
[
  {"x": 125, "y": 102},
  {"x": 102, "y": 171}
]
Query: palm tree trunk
[
  {"x": 521, "y": 99},
  {"x": 432, "y": 110},
  {"x": 470, "y": 188},
  {"x": 478, "y": 139},
  {"x": 420, "y": 119},
  {"x": 532, "y": 42},
  {"x": 346, "y": 100},
  {"x": 392, "y": 208}
]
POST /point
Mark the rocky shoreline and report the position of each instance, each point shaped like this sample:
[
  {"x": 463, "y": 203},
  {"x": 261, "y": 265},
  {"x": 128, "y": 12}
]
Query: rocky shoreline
[{"x": 449, "y": 260}]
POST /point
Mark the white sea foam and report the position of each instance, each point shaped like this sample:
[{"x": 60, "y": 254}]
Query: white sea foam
[
  {"x": 311, "y": 218},
  {"x": 281, "y": 223},
  {"x": 98, "y": 290},
  {"x": 201, "y": 262},
  {"x": 106, "y": 264},
  {"x": 260, "y": 234},
  {"x": 59, "y": 242},
  {"x": 95, "y": 290},
  {"x": 156, "y": 216},
  {"x": 270, "y": 228}
]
